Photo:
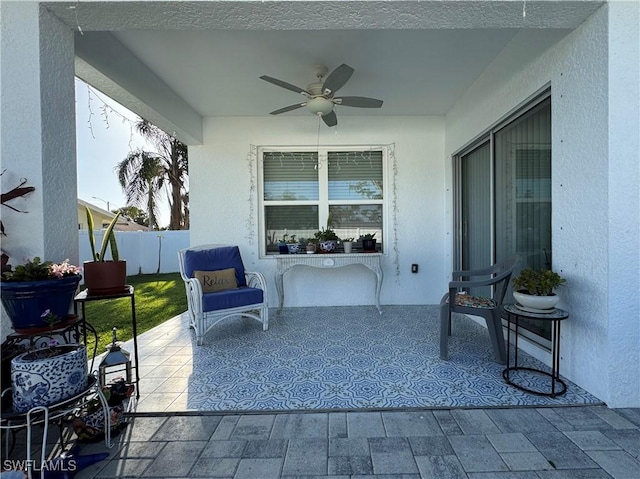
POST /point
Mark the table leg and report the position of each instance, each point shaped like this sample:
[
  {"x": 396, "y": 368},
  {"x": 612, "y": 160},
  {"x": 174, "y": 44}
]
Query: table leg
[
  {"x": 508, "y": 342},
  {"x": 280, "y": 289},
  {"x": 378, "y": 288},
  {"x": 555, "y": 356},
  {"x": 135, "y": 344}
]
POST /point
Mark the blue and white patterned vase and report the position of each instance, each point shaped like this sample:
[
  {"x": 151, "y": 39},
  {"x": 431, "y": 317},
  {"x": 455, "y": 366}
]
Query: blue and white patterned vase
[
  {"x": 37, "y": 380},
  {"x": 328, "y": 246}
]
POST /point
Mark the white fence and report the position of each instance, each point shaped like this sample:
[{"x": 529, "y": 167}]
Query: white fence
[{"x": 146, "y": 252}]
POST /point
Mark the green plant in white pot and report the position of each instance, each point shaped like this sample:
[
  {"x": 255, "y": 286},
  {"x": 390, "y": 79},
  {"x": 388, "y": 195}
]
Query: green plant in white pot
[
  {"x": 535, "y": 289},
  {"x": 102, "y": 276}
]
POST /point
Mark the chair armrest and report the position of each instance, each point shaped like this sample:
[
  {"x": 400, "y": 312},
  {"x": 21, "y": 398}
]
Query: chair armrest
[
  {"x": 475, "y": 272},
  {"x": 194, "y": 285},
  {"x": 502, "y": 268},
  {"x": 471, "y": 284},
  {"x": 255, "y": 280}
]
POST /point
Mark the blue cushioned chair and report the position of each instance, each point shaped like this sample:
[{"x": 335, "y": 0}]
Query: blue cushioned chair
[
  {"x": 249, "y": 299},
  {"x": 497, "y": 277}
]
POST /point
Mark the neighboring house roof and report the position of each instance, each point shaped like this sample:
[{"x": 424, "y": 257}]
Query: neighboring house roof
[{"x": 102, "y": 217}]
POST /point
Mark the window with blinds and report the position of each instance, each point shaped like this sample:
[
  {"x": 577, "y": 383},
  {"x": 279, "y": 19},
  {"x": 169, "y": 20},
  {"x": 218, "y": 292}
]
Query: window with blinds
[{"x": 304, "y": 191}]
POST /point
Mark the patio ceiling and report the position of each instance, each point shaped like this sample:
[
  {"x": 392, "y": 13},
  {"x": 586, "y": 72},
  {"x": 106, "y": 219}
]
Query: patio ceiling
[{"x": 205, "y": 58}]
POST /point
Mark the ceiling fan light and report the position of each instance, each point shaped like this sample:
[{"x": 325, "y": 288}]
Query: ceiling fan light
[{"x": 320, "y": 106}]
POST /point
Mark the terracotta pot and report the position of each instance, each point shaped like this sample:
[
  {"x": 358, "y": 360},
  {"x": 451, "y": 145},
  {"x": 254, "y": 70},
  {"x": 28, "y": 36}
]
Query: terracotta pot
[{"x": 106, "y": 277}]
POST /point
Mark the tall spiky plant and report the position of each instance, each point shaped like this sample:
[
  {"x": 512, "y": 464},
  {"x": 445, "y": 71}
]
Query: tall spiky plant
[{"x": 109, "y": 239}]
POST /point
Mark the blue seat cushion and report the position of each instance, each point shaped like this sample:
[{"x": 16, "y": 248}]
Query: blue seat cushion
[
  {"x": 215, "y": 259},
  {"x": 231, "y": 298}
]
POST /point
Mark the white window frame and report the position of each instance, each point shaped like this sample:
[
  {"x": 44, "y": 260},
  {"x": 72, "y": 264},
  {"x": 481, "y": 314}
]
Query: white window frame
[{"x": 323, "y": 186}]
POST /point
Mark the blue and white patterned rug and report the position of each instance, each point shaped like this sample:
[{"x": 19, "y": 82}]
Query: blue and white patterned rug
[{"x": 328, "y": 358}]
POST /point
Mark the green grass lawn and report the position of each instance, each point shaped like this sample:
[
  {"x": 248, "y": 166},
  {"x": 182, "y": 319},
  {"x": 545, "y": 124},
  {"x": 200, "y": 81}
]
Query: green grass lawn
[{"x": 158, "y": 297}]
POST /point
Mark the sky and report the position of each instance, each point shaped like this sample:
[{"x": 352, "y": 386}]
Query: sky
[{"x": 105, "y": 134}]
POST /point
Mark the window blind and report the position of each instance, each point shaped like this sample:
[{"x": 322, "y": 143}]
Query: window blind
[
  {"x": 523, "y": 166},
  {"x": 355, "y": 175},
  {"x": 290, "y": 176}
]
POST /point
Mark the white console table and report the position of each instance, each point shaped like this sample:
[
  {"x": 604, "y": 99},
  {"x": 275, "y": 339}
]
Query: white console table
[{"x": 335, "y": 260}]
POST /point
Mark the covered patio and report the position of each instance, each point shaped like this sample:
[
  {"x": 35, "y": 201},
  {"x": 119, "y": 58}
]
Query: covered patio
[
  {"x": 330, "y": 359},
  {"x": 583, "y": 53}
]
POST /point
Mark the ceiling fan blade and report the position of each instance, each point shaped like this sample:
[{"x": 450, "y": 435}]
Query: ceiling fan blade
[
  {"x": 287, "y": 108},
  {"x": 330, "y": 119},
  {"x": 286, "y": 85},
  {"x": 337, "y": 78},
  {"x": 358, "y": 101}
]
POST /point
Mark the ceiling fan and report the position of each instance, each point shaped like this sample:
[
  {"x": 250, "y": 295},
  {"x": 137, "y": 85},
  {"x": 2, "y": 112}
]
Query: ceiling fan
[{"x": 321, "y": 94}]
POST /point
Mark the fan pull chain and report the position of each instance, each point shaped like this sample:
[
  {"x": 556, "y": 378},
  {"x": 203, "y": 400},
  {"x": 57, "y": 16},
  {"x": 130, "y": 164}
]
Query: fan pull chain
[{"x": 318, "y": 142}]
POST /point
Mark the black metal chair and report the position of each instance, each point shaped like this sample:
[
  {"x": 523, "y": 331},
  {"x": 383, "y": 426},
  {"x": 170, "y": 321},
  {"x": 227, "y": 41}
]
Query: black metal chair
[{"x": 497, "y": 277}]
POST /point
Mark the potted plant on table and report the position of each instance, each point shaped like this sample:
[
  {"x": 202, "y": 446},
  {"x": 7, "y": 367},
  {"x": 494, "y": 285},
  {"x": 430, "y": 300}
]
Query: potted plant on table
[
  {"x": 535, "y": 289},
  {"x": 347, "y": 245},
  {"x": 368, "y": 242},
  {"x": 48, "y": 375},
  {"x": 309, "y": 245},
  {"x": 103, "y": 277},
  {"x": 37, "y": 286},
  {"x": 292, "y": 245},
  {"x": 327, "y": 240}
]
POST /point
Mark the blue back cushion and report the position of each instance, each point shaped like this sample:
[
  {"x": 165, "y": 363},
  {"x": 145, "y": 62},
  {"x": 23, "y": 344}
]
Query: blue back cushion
[{"x": 213, "y": 260}]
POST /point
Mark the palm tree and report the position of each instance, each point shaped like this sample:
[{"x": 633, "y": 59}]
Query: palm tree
[{"x": 144, "y": 176}]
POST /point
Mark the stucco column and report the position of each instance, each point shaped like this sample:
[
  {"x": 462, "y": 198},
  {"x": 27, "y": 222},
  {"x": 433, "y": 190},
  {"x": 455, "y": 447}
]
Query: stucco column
[
  {"x": 37, "y": 133},
  {"x": 624, "y": 203}
]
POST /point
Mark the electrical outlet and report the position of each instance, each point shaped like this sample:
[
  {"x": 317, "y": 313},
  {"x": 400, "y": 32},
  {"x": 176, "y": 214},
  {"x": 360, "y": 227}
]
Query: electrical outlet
[{"x": 414, "y": 268}]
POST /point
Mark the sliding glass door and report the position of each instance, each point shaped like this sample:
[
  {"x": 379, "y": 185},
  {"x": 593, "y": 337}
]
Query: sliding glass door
[
  {"x": 476, "y": 211},
  {"x": 503, "y": 188},
  {"x": 523, "y": 197}
]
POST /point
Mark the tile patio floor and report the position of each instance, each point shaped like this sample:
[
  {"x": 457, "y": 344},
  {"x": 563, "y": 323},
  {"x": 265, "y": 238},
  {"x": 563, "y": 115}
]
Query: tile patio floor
[
  {"x": 329, "y": 358},
  {"x": 568, "y": 442}
]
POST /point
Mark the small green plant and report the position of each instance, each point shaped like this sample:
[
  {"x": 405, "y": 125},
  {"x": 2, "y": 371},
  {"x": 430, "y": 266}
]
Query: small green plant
[
  {"x": 537, "y": 282},
  {"x": 36, "y": 270},
  {"x": 286, "y": 239},
  {"x": 326, "y": 235},
  {"x": 109, "y": 239},
  {"x": 368, "y": 236},
  {"x": 348, "y": 240}
]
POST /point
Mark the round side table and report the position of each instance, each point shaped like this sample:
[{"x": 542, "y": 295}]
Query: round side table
[{"x": 555, "y": 316}]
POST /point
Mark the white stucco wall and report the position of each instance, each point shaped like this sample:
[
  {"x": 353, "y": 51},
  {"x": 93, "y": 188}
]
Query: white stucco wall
[
  {"x": 624, "y": 203},
  {"x": 577, "y": 70},
  {"x": 37, "y": 134},
  {"x": 220, "y": 207}
]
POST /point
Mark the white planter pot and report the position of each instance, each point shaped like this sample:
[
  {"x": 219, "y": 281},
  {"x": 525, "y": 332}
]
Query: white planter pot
[
  {"x": 536, "y": 302},
  {"x": 347, "y": 245},
  {"x": 47, "y": 381}
]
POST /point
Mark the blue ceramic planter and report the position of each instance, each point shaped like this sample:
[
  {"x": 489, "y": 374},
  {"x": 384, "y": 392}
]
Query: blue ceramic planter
[
  {"x": 45, "y": 381},
  {"x": 282, "y": 248},
  {"x": 26, "y": 301}
]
